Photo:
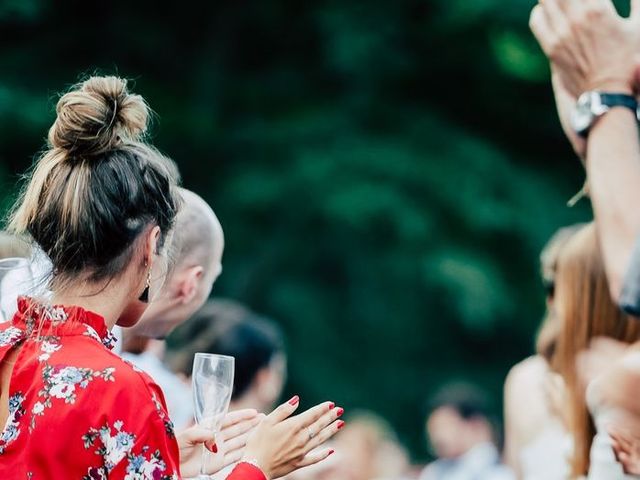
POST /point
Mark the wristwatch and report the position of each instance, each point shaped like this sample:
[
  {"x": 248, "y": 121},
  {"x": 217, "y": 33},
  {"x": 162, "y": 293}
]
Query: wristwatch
[{"x": 592, "y": 105}]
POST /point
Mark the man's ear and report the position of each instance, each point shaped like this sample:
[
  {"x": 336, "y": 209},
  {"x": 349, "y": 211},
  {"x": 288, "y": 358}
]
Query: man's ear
[{"x": 190, "y": 283}]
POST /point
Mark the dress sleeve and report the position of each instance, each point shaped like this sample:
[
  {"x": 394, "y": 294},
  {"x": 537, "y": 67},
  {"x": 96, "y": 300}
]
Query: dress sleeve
[{"x": 246, "y": 471}]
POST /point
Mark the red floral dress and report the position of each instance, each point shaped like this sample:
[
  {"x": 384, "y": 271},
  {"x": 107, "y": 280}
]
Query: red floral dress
[{"x": 78, "y": 411}]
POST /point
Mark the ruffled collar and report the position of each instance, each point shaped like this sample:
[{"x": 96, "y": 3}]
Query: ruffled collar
[{"x": 38, "y": 317}]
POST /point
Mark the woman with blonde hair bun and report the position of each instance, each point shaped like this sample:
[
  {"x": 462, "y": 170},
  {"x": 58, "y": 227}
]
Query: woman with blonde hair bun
[{"x": 101, "y": 203}]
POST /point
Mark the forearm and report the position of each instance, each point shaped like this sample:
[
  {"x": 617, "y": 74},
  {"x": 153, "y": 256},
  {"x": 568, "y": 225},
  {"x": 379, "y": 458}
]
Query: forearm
[
  {"x": 613, "y": 166},
  {"x": 565, "y": 103}
]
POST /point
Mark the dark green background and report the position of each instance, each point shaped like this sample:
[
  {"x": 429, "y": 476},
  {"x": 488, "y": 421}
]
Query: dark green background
[{"x": 386, "y": 171}]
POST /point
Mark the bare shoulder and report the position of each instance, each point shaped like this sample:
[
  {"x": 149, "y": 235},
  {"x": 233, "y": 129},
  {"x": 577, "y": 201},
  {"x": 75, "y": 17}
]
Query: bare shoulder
[
  {"x": 526, "y": 396},
  {"x": 527, "y": 376}
]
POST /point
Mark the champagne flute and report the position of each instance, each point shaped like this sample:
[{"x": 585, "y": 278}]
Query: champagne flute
[
  {"x": 16, "y": 279},
  {"x": 212, "y": 386}
]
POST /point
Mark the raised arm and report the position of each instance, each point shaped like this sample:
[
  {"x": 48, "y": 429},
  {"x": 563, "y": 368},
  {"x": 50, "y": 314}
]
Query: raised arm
[{"x": 592, "y": 48}]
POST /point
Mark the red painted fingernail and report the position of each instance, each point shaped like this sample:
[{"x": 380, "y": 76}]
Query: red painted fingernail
[
  {"x": 332, "y": 406},
  {"x": 340, "y": 424},
  {"x": 294, "y": 401},
  {"x": 331, "y": 452},
  {"x": 212, "y": 448},
  {"x": 339, "y": 412}
]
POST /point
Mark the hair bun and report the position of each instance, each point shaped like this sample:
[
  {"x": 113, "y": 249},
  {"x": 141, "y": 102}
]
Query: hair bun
[{"x": 97, "y": 115}]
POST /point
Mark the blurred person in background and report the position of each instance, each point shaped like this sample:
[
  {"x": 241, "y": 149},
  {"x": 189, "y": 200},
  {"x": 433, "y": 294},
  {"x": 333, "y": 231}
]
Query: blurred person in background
[
  {"x": 368, "y": 449},
  {"x": 462, "y": 437},
  {"x": 13, "y": 283},
  {"x": 537, "y": 444},
  {"x": 228, "y": 328},
  {"x": 586, "y": 310}
]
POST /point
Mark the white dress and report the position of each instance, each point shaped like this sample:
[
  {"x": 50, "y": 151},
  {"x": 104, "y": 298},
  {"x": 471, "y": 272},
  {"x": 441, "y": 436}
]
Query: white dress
[{"x": 546, "y": 457}]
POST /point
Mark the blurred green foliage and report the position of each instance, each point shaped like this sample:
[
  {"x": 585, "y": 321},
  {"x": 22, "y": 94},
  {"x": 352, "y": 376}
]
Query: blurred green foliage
[{"x": 386, "y": 171}]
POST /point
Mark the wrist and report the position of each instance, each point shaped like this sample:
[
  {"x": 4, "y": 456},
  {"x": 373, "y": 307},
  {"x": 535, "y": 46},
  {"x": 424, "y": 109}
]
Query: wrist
[
  {"x": 611, "y": 85},
  {"x": 592, "y": 105},
  {"x": 254, "y": 461},
  {"x": 247, "y": 469}
]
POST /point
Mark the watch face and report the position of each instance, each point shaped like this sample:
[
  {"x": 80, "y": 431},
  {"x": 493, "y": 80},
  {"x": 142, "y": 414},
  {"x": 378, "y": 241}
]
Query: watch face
[{"x": 582, "y": 115}]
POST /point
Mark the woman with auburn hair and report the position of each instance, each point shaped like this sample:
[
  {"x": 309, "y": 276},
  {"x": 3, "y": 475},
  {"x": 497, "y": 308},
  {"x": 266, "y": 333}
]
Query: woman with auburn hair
[
  {"x": 101, "y": 203},
  {"x": 585, "y": 309},
  {"x": 537, "y": 444}
]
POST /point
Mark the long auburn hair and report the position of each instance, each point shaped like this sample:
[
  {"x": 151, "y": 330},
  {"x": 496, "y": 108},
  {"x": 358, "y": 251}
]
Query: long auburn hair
[{"x": 586, "y": 311}]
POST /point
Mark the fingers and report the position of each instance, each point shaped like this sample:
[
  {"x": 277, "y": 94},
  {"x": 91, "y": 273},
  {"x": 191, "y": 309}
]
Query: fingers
[
  {"x": 539, "y": 25},
  {"x": 630, "y": 464},
  {"x": 312, "y": 415},
  {"x": 313, "y": 458},
  {"x": 556, "y": 16},
  {"x": 621, "y": 441},
  {"x": 324, "y": 435},
  {"x": 625, "y": 461},
  {"x": 196, "y": 435},
  {"x": 237, "y": 443},
  {"x": 233, "y": 457},
  {"x": 240, "y": 428},
  {"x": 233, "y": 418},
  {"x": 324, "y": 421},
  {"x": 602, "y": 7},
  {"x": 284, "y": 411},
  {"x": 626, "y": 450}
]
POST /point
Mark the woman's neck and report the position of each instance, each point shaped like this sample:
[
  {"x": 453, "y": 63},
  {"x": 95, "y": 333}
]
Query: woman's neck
[{"x": 107, "y": 301}]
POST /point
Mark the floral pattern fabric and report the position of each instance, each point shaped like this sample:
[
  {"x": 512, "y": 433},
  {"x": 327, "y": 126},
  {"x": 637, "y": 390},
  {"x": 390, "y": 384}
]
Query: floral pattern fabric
[{"x": 76, "y": 410}]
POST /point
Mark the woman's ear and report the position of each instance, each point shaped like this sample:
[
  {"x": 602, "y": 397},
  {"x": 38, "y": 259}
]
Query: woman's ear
[{"x": 152, "y": 244}]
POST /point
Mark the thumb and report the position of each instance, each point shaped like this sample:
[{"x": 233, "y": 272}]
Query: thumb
[
  {"x": 196, "y": 435},
  {"x": 285, "y": 410}
]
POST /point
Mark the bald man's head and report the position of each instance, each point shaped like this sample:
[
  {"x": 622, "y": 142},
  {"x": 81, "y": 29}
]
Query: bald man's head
[
  {"x": 197, "y": 235},
  {"x": 196, "y": 250}
]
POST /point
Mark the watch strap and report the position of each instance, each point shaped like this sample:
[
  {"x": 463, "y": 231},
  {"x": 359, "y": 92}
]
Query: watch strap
[
  {"x": 619, "y": 100},
  {"x": 606, "y": 101}
]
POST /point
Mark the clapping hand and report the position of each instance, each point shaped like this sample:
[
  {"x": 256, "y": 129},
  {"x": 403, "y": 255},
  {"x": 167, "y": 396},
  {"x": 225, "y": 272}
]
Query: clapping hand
[
  {"x": 627, "y": 450},
  {"x": 590, "y": 47},
  {"x": 283, "y": 443},
  {"x": 227, "y": 447}
]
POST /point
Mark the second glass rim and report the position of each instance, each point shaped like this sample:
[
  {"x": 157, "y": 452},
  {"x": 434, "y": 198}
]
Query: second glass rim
[{"x": 205, "y": 354}]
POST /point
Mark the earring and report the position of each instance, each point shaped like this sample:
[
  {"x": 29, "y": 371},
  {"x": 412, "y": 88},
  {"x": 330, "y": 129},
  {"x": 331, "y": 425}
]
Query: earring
[{"x": 144, "y": 297}]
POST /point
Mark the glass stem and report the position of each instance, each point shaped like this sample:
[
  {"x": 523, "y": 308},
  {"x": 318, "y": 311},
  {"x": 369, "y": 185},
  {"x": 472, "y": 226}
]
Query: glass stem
[{"x": 203, "y": 475}]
